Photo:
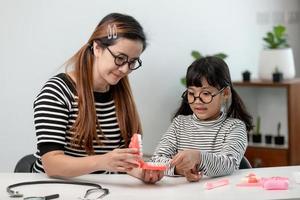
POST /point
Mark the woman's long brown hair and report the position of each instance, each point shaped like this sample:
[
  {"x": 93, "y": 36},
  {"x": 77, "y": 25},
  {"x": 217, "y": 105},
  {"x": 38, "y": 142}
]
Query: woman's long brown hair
[{"x": 86, "y": 124}]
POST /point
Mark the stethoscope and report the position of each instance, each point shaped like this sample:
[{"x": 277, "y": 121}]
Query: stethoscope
[{"x": 17, "y": 194}]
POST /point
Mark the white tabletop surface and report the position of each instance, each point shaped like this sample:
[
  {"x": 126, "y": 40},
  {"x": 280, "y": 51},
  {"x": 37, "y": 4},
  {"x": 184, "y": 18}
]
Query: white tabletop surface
[{"x": 169, "y": 188}]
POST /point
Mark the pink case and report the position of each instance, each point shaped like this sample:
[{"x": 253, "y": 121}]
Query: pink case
[{"x": 275, "y": 183}]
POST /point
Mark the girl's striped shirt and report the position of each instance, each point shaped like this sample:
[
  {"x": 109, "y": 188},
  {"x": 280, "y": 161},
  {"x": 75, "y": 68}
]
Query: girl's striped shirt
[{"x": 222, "y": 143}]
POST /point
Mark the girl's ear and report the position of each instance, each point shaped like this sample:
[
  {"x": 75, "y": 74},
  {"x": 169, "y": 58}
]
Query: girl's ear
[
  {"x": 227, "y": 93},
  {"x": 226, "y": 98}
]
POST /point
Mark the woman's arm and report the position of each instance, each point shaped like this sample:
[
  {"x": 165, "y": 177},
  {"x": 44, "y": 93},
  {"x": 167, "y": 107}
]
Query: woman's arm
[{"x": 57, "y": 164}]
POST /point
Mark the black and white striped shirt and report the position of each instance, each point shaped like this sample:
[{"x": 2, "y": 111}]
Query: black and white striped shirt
[
  {"x": 221, "y": 142},
  {"x": 55, "y": 111}
]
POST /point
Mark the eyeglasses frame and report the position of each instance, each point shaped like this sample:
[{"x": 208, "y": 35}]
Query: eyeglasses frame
[
  {"x": 126, "y": 62},
  {"x": 185, "y": 98}
]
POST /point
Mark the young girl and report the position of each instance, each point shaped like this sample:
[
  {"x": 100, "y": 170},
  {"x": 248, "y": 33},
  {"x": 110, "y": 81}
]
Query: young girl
[
  {"x": 84, "y": 118},
  {"x": 208, "y": 134}
]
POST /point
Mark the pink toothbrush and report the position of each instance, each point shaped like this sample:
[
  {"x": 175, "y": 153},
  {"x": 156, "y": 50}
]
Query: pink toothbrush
[{"x": 213, "y": 184}]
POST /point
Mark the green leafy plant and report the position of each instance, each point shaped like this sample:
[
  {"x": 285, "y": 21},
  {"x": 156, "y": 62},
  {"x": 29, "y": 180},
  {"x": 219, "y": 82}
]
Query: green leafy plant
[
  {"x": 277, "y": 38},
  {"x": 197, "y": 55},
  {"x": 257, "y": 125}
]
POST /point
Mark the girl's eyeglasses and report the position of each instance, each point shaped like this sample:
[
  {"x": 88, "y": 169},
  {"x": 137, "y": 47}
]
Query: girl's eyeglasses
[
  {"x": 205, "y": 96},
  {"x": 122, "y": 59}
]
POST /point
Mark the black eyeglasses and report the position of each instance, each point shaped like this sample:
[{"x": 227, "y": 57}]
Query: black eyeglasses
[
  {"x": 205, "y": 96},
  {"x": 122, "y": 59}
]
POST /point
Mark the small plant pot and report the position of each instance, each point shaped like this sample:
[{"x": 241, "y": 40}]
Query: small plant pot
[
  {"x": 256, "y": 138},
  {"x": 279, "y": 140},
  {"x": 277, "y": 77},
  {"x": 246, "y": 76},
  {"x": 268, "y": 139}
]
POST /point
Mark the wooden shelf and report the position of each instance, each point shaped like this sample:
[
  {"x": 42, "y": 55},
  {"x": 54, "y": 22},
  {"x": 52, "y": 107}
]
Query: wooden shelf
[
  {"x": 265, "y": 83},
  {"x": 262, "y": 155}
]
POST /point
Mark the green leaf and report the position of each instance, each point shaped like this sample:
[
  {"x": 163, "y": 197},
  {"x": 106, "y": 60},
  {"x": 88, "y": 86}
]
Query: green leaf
[
  {"x": 196, "y": 55},
  {"x": 277, "y": 38},
  {"x": 220, "y": 55},
  {"x": 279, "y": 31},
  {"x": 183, "y": 81}
]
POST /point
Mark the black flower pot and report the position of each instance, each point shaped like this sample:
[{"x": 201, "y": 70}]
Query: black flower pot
[
  {"x": 246, "y": 76},
  {"x": 279, "y": 140},
  {"x": 268, "y": 139},
  {"x": 277, "y": 77},
  {"x": 256, "y": 138}
]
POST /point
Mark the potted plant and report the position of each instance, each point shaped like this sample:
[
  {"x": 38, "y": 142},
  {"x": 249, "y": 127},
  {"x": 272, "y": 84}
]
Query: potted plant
[
  {"x": 197, "y": 55},
  {"x": 256, "y": 136},
  {"x": 277, "y": 75},
  {"x": 277, "y": 53},
  {"x": 279, "y": 139},
  {"x": 246, "y": 76},
  {"x": 268, "y": 138}
]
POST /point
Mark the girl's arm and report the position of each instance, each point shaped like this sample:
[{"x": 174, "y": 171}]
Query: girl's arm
[
  {"x": 167, "y": 148},
  {"x": 228, "y": 160}
]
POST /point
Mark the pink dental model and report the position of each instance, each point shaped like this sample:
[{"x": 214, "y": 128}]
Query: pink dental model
[{"x": 136, "y": 142}]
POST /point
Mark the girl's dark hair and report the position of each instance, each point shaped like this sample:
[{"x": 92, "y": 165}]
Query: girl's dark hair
[
  {"x": 86, "y": 124},
  {"x": 217, "y": 74}
]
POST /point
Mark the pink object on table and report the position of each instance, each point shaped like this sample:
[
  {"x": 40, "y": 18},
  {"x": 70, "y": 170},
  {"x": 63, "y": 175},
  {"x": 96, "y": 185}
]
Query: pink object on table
[
  {"x": 275, "y": 183},
  {"x": 136, "y": 142},
  {"x": 272, "y": 183},
  {"x": 213, "y": 184},
  {"x": 250, "y": 181}
]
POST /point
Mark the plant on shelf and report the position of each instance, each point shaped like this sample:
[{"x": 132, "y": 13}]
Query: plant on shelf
[
  {"x": 256, "y": 136},
  {"x": 197, "y": 55},
  {"x": 277, "y": 38},
  {"x": 277, "y": 53},
  {"x": 279, "y": 139},
  {"x": 246, "y": 75},
  {"x": 268, "y": 138},
  {"x": 277, "y": 75}
]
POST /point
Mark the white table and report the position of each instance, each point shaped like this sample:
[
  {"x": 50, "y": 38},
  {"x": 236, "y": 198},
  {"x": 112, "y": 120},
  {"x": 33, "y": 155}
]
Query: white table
[{"x": 169, "y": 188}]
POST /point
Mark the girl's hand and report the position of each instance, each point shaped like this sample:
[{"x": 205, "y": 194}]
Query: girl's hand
[
  {"x": 186, "y": 160},
  {"x": 147, "y": 176},
  {"x": 193, "y": 175},
  {"x": 121, "y": 160}
]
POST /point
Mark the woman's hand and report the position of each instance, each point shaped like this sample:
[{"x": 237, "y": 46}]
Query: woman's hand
[
  {"x": 147, "y": 176},
  {"x": 186, "y": 160},
  {"x": 121, "y": 160}
]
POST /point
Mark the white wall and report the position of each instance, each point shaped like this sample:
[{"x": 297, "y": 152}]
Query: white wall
[{"x": 37, "y": 36}]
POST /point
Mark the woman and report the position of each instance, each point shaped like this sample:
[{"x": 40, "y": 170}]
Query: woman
[{"x": 84, "y": 118}]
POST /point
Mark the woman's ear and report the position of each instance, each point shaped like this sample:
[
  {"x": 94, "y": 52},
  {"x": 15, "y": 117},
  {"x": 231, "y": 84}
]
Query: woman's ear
[{"x": 97, "y": 49}]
